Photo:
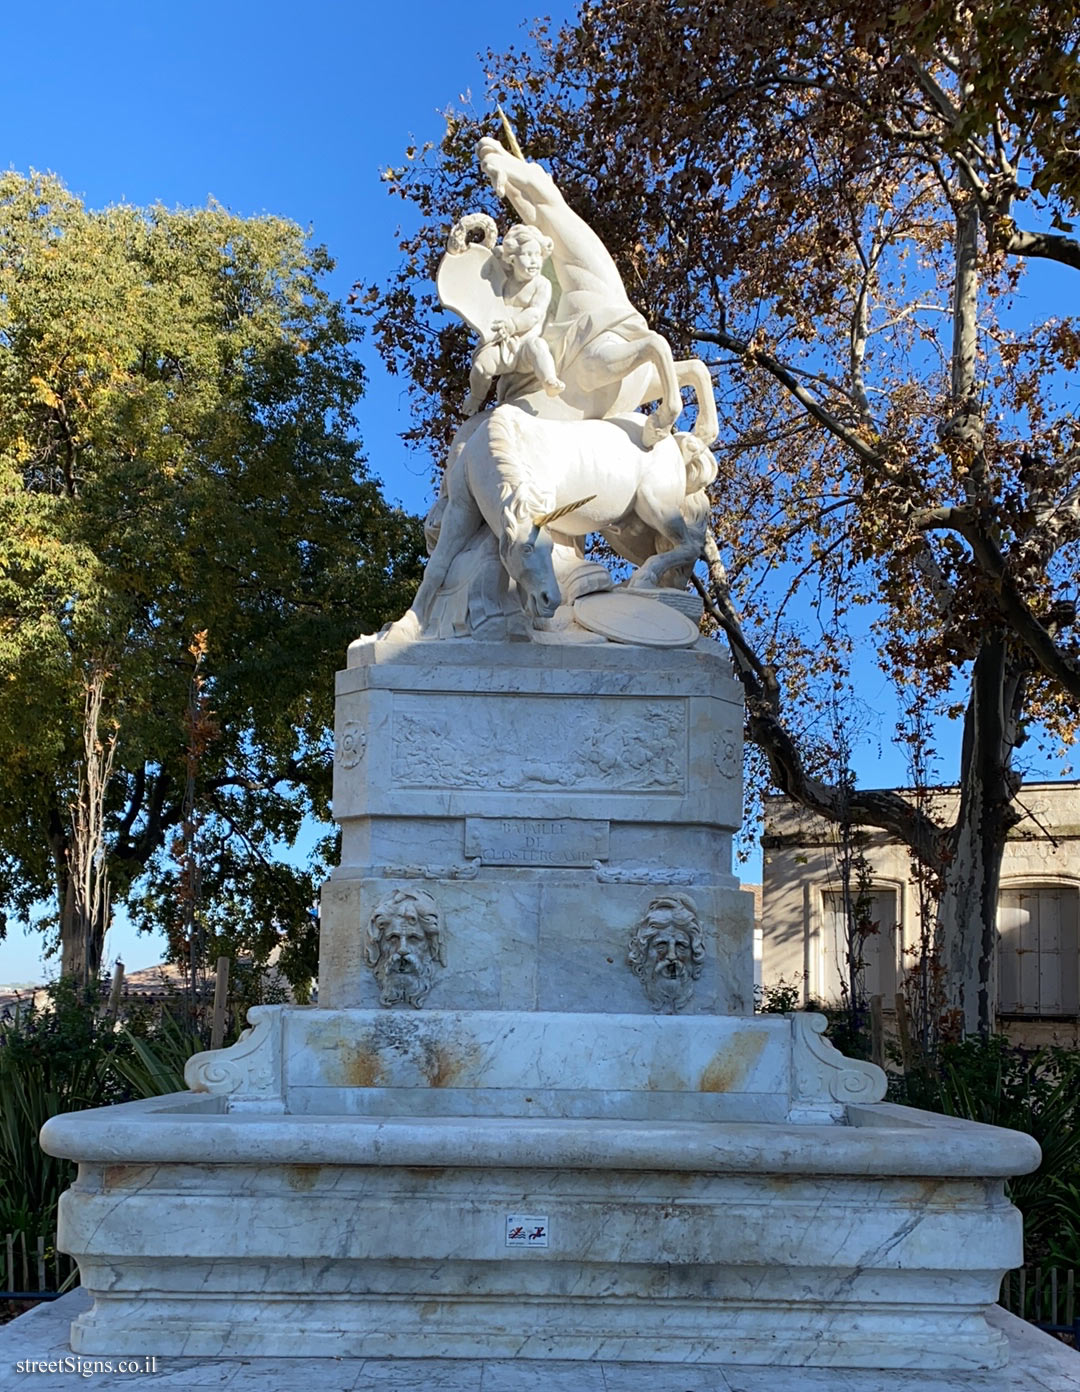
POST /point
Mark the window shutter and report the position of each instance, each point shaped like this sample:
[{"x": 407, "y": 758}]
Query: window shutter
[{"x": 1038, "y": 962}]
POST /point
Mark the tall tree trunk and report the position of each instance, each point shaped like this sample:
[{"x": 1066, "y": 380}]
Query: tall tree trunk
[
  {"x": 84, "y": 916},
  {"x": 967, "y": 909}
]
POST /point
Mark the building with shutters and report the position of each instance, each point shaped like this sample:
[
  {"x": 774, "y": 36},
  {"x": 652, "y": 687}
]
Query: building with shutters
[{"x": 806, "y": 928}]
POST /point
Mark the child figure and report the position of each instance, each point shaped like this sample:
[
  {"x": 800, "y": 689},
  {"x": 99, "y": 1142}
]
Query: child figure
[{"x": 516, "y": 344}]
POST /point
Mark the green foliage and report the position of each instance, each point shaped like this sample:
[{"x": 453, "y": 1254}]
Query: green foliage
[
  {"x": 58, "y": 1059},
  {"x": 780, "y": 998},
  {"x": 64, "y": 1057},
  {"x": 1035, "y": 1091},
  {"x": 158, "y": 1048},
  {"x": 177, "y": 457}
]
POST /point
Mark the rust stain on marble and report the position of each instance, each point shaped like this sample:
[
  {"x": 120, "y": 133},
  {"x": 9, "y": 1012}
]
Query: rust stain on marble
[
  {"x": 126, "y": 1176},
  {"x": 728, "y": 1068},
  {"x": 302, "y": 1177},
  {"x": 442, "y": 1067},
  {"x": 360, "y": 1068}
]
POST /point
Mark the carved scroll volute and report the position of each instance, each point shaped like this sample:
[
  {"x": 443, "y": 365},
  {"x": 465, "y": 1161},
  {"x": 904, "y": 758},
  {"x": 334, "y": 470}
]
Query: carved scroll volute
[
  {"x": 248, "y": 1073},
  {"x": 824, "y": 1079}
]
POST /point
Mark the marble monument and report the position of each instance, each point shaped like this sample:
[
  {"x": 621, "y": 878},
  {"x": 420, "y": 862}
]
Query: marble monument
[{"x": 533, "y": 1115}]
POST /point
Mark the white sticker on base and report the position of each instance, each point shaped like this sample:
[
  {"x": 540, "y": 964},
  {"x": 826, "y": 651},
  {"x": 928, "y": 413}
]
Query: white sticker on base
[{"x": 526, "y": 1230}]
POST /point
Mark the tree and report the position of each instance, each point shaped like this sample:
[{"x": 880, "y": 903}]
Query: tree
[
  {"x": 836, "y": 202},
  {"x": 177, "y": 467}
]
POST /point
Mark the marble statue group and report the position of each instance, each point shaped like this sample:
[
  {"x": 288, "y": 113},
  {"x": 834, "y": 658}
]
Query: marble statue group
[
  {"x": 565, "y": 452},
  {"x": 536, "y": 968}
]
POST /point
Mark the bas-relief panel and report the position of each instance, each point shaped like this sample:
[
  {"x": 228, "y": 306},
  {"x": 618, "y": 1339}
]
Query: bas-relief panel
[{"x": 586, "y": 745}]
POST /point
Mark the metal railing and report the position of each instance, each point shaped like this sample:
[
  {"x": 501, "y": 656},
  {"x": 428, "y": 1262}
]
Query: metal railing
[
  {"x": 32, "y": 1268},
  {"x": 1044, "y": 1296}
]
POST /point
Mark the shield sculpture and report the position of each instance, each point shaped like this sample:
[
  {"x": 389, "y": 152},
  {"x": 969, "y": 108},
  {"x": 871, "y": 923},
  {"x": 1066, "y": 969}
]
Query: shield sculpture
[{"x": 470, "y": 283}]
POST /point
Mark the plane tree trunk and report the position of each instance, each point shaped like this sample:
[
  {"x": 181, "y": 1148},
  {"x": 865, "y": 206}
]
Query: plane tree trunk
[{"x": 967, "y": 908}]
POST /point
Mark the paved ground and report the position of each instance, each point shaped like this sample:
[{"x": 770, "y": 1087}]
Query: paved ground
[{"x": 1039, "y": 1364}]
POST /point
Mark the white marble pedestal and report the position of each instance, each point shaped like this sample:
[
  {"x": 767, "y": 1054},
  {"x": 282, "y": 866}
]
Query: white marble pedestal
[
  {"x": 532, "y": 1117},
  {"x": 542, "y": 797},
  {"x": 472, "y": 1185}
]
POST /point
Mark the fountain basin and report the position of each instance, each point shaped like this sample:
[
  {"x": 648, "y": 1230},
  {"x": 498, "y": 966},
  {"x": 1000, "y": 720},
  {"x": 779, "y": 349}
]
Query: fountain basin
[{"x": 394, "y": 1185}]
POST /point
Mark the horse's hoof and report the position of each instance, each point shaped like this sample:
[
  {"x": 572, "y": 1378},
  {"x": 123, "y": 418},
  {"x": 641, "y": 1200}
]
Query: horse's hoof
[{"x": 654, "y": 432}]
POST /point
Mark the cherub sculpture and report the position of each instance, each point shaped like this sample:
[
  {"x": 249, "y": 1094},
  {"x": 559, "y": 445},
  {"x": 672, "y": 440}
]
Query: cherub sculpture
[
  {"x": 565, "y": 443},
  {"x": 513, "y": 341}
]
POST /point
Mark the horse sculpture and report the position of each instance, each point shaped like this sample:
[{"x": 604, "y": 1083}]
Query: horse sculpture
[
  {"x": 520, "y": 475},
  {"x": 608, "y": 357}
]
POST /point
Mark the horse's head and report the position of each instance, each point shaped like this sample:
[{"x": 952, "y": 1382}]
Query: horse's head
[{"x": 525, "y": 549}]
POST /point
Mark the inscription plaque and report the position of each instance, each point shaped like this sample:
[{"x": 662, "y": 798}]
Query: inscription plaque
[{"x": 531, "y": 841}]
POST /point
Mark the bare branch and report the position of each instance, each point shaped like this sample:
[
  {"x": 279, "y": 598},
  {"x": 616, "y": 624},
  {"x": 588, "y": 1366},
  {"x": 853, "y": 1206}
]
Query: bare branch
[
  {"x": 885, "y": 809},
  {"x": 1034, "y": 635},
  {"x": 1046, "y": 246},
  {"x": 786, "y": 377}
]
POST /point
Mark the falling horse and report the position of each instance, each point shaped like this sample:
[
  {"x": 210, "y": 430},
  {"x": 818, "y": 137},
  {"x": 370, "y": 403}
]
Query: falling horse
[
  {"x": 609, "y": 357},
  {"x": 519, "y": 475}
]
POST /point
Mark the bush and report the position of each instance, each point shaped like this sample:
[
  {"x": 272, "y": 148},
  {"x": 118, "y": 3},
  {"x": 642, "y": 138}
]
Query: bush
[
  {"x": 58, "y": 1059},
  {"x": 1032, "y": 1090},
  {"x": 64, "y": 1057}
]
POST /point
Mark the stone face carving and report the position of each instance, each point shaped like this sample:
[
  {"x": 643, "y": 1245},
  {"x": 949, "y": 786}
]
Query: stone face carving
[
  {"x": 667, "y": 949},
  {"x": 645, "y": 752},
  {"x": 404, "y": 946},
  {"x": 565, "y": 453}
]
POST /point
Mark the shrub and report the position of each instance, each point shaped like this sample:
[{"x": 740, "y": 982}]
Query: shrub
[
  {"x": 60, "y": 1058},
  {"x": 1032, "y": 1090}
]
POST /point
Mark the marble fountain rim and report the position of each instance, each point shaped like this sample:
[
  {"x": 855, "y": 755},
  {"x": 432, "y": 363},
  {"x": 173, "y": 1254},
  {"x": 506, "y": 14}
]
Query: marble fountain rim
[{"x": 879, "y": 1139}]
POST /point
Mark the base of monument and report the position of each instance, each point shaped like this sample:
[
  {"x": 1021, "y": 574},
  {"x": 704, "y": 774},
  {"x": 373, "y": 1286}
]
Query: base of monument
[
  {"x": 365, "y": 1183},
  {"x": 647, "y": 1330},
  {"x": 1036, "y": 1362}
]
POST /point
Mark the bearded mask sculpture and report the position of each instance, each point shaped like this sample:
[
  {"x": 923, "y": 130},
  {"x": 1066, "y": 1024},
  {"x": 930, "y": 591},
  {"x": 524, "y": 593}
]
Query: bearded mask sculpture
[
  {"x": 666, "y": 952},
  {"x": 404, "y": 946}
]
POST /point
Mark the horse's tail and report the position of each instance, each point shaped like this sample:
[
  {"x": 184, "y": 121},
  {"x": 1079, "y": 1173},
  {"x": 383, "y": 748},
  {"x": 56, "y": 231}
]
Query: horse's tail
[{"x": 701, "y": 467}]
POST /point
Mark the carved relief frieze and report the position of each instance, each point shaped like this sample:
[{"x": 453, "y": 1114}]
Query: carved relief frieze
[
  {"x": 641, "y": 874},
  {"x": 468, "y": 871},
  {"x": 667, "y": 951},
  {"x": 639, "y": 746},
  {"x": 405, "y": 946}
]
